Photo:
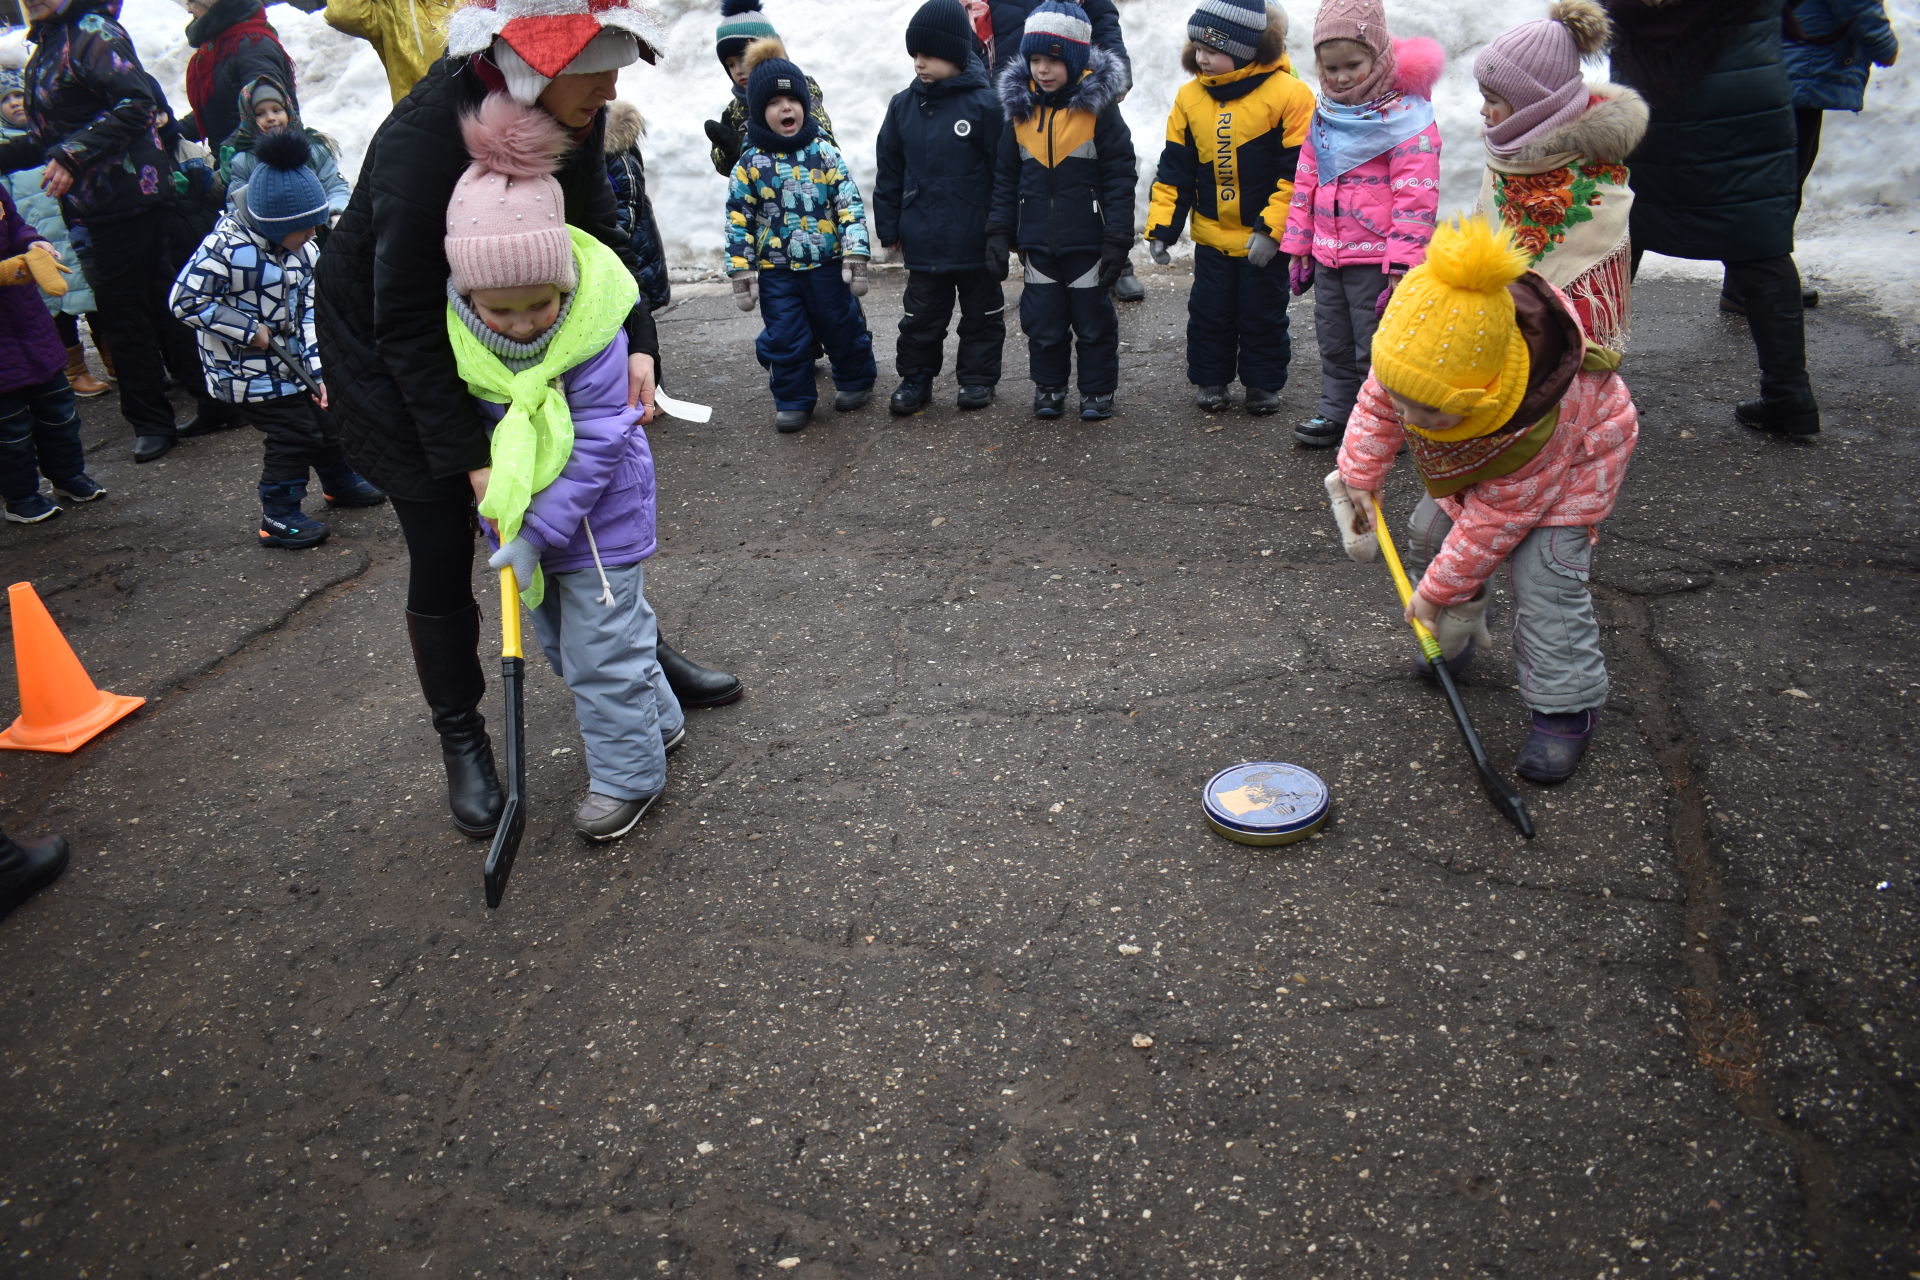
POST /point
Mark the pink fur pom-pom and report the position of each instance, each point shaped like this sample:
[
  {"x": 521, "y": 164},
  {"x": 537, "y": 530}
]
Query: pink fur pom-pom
[
  {"x": 1417, "y": 64},
  {"x": 506, "y": 138}
]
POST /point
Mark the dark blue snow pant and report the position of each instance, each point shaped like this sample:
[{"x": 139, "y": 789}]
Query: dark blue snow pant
[
  {"x": 1237, "y": 309},
  {"x": 798, "y": 309},
  {"x": 1063, "y": 306}
]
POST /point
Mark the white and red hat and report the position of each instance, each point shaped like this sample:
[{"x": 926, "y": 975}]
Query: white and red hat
[{"x": 535, "y": 40}]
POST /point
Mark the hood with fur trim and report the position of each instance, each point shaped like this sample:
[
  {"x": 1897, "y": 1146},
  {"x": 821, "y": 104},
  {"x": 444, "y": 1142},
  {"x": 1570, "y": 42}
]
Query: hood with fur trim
[
  {"x": 1606, "y": 132},
  {"x": 625, "y": 126},
  {"x": 1272, "y": 46},
  {"x": 1101, "y": 87}
]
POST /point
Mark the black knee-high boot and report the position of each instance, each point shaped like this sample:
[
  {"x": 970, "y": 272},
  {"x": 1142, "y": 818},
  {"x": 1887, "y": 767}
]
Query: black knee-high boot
[
  {"x": 694, "y": 685},
  {"x": 446, "y": 656}
]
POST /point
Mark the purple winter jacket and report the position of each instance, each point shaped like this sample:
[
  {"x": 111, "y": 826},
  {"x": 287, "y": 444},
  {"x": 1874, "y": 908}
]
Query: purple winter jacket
[
  {"x": 30, "y": 350},
  {"x": 608, "y": 480}
]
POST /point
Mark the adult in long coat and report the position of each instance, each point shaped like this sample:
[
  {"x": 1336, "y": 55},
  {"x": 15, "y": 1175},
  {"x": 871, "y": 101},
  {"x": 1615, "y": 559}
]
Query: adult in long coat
[
  {"x": 233, "y": 45},
  {"x": 406, "y": 419},
  {"x": 1715, "y": 177}
]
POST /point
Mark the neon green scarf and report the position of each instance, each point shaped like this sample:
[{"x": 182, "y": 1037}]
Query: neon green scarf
[{"x": 535, "y": 438}]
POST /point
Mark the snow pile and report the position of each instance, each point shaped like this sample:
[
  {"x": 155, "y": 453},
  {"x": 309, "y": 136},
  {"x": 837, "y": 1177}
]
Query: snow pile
[{"x": 1860, "y": 218}]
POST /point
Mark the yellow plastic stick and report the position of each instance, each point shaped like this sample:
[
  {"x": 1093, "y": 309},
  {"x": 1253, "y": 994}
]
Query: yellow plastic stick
[
  {"x": 1428, "y": 645},
  {"x": 509, "y": 615}
]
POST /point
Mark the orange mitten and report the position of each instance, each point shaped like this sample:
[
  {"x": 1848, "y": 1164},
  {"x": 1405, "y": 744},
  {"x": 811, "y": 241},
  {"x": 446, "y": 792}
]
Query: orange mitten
[{"x": 48, "y": 271}]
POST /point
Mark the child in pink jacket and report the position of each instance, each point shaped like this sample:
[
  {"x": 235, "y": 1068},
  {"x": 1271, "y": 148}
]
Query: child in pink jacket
[
  {"x": 1521, "y": 431},
  {"x": 1365, "y": 194}
]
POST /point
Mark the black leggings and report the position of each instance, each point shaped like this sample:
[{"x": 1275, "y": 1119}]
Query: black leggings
[{"x": 439, "y": 534}]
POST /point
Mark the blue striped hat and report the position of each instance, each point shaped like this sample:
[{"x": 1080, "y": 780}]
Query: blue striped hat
[
  {"x": 1234, "y": 27},
  {"x": 1059, "y": 29}
]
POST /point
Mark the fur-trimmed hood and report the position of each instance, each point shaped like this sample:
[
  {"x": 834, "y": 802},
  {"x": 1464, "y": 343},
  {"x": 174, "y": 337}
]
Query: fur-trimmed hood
[
  {"x": 1272, "y": 46},
  {"x": 1101, "y": 87},
  {"x": 1606, "y": 132},
  {"x": 625, "y": 126}
]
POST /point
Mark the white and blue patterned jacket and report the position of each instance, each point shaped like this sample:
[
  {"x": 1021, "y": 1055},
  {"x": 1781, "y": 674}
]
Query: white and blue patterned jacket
[{"x": 234, "y": 281}]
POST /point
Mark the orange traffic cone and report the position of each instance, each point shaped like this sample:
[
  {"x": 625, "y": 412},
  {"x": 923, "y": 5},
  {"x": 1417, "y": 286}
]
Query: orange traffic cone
[{"x": 60, "y": 709}]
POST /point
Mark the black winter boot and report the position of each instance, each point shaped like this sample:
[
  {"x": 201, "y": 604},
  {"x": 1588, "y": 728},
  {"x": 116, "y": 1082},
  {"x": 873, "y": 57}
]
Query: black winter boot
[
  {"x": 447, "y": 659},
  {"x": 694, "y": 685},
  {"x": 27, "y": 867}
]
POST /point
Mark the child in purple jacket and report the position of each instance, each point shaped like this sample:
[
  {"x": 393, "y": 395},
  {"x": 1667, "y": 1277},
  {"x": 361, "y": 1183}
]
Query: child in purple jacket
[
  {"x": 535, "y": 314},
  {"x": 39, "y": 425}
]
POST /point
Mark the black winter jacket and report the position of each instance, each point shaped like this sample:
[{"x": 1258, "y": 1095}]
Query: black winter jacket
[
  {"x": 1715, "y": 177},
  {"x": 405, "y": 417},
  {"x": 233, "y": 45},
  {"x": 939, "y": 146},
  {"x": 90, "y": 108},
  {"x": 627, "y": 171},
  {"x": 1065, "y": 178},
  {"x": 1010, "y": 23}
]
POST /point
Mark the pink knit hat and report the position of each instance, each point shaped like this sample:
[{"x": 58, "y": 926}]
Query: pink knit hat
[
  {"x": 507, "y": 221},
  {"x": 1364, "y": 21},
  {"x": 1535, "y": 68}
]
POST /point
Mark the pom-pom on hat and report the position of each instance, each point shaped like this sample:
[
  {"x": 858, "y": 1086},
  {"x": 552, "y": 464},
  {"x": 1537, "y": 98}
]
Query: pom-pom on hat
[
  {"x": 1448, "y": 339},
  {"x": 741, "y": 23},
  {"x": 1059, "y": 29},
  {"x": 506, "y": 223},
  {"x": 284, "y": 194},
  {"x": 941, "y": 29},
  {"x": 533, "y": 41},
  {"x": 1535, "y": 68},
  {"x": 1234, "y": 27}
]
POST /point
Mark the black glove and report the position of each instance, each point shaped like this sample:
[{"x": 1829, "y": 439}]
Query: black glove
[
  {"x": 724, "y": 140},
  {"x": 1113, "y": 261},
  {"x": 998, "y": 247}
]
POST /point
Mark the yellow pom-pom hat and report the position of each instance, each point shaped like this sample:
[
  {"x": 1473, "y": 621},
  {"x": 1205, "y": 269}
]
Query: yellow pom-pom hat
[{"x": 1448, "y": 339}]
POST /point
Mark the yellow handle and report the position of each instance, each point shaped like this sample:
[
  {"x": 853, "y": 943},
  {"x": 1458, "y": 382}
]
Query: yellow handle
[
  {"x": 509, "y": 615},
  {"x": 1428, "y": 645}
]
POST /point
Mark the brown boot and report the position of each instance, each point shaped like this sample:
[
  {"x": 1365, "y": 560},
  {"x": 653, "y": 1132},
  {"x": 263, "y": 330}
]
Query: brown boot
[{"x": 85, "y": 385}]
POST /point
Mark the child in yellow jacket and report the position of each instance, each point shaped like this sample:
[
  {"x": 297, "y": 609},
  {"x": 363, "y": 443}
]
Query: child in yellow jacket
[{"x": 1233, "y": 139}]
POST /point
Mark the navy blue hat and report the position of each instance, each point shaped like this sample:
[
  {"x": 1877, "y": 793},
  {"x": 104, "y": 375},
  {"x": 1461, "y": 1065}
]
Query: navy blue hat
[
  {"x": 1234, "y": 27},
  {"x": 284, "y": 194},
  {"x": 1059, "y": 29},
  {"x": 775, "y": 77},
  {"x": 941, "y": 29}
]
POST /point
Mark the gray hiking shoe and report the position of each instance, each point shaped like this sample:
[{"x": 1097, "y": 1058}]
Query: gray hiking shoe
[{"x": 605, "y": 818}]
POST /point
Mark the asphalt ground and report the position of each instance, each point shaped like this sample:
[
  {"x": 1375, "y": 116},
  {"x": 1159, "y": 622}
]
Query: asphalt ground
[{"x": 928, "y": 964}]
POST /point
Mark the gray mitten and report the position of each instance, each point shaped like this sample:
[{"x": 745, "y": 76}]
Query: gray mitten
[
  {"x": 746, "y": 290},
  {"x": 522, "y": 555},
  {"x": 1356, "y": 533},
  {"x": 1458, "y": 625},
  {"x": 1157, "y": 250},
  {"x": 1261, "y": 249},
  {"x": 854, "y": 272}
]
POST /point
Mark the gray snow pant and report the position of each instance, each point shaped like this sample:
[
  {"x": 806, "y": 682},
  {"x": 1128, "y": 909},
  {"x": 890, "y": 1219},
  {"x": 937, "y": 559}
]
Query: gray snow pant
[
  {"x": 1556, "y": 638},
  {"x": 606, "y": 654},
  {"x": 1343, "y": 319}
]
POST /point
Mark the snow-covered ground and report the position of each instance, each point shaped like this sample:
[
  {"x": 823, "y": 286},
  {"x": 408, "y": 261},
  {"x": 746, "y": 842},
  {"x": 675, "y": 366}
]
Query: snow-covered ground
[{"x": 1860, "y": 231}]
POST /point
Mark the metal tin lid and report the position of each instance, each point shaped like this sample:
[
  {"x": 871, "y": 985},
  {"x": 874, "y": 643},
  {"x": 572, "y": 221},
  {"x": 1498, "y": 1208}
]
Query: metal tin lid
[{"x": 1266, "y": 802}]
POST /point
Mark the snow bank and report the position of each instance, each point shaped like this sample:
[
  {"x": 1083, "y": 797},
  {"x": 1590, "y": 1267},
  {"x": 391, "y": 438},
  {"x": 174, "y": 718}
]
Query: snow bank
[{"x": 1861, "y": 229}]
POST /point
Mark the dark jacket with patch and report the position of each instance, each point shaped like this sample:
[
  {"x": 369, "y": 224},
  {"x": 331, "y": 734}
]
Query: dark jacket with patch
[
  {"x": 1065, "y": 177},
  {"x": 938, "y": 149},
  {"x": 404, "y": 413},
  {"x": 1716, "y": 176},
  {"x": 627, "y": 172},
  {"x": 233, "y": 45},
  {"x": 1233, "y": 142},
  {"x": 90, "y": 109}
]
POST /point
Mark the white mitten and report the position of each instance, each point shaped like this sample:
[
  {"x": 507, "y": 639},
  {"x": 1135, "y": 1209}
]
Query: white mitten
[
  {"x": 1458, "y": 625},
  {"x": 1356, "y": 534}
]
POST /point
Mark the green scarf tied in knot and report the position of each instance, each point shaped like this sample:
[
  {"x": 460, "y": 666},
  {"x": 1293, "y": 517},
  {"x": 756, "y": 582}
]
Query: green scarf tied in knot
[{"x": 535, "y": 438}]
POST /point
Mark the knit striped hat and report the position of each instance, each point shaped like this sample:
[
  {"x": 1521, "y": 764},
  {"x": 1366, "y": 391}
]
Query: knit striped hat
[
  {"x": 1059, "y": 29},
  {"x": 1234, "y": 27},
  {"x": 284, "y": 194},
  {"x": 741, "y": 23}
]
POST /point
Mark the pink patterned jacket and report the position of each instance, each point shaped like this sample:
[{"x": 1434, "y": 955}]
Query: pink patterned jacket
[
  {"x": 1380, "y": 213},
  {"x": 1574, "y": 480}
]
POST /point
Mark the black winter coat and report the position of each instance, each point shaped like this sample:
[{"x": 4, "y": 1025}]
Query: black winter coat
[
  {"x": 1715, "y": 177},
  {"x": 90, "y": 108},
  {"x": 1065, "y": 178},
  {"x": 233, "y": 45},
  {"x": 1010, "y": 23},
  {"x": 405, "y": 417},
  {"x": 939, "y": 146}
]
